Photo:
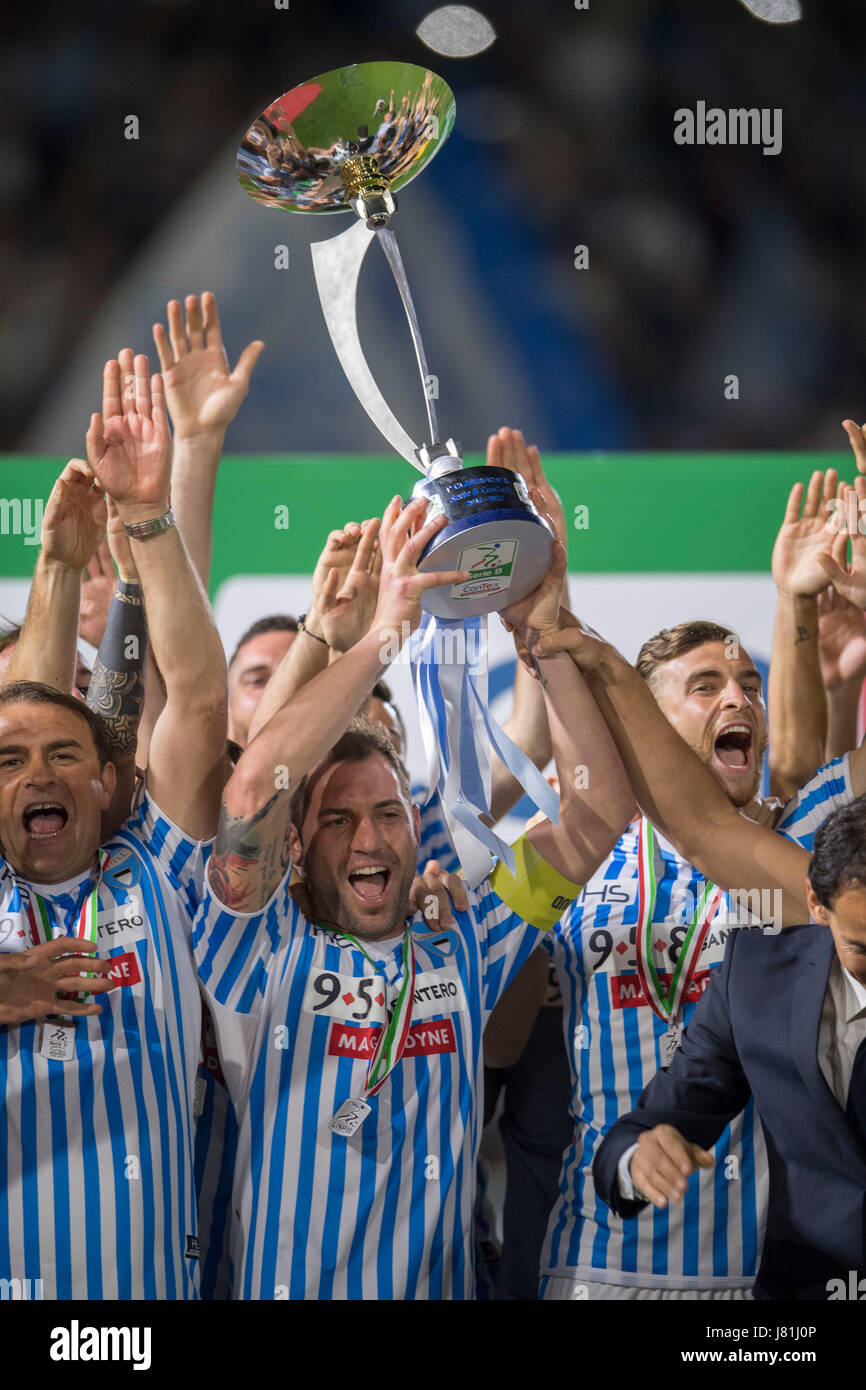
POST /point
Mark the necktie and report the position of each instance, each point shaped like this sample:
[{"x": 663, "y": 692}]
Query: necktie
[{"x": 856, "y": 1107}]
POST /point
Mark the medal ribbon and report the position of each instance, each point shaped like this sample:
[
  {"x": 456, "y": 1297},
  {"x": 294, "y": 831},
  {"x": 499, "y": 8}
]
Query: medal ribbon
[
  {"x": 85, "y": 927},
  {"x": 393, "y": 1035},
  {"x": 667, "y": 1005},
  {"x": 449, "y": 673}
]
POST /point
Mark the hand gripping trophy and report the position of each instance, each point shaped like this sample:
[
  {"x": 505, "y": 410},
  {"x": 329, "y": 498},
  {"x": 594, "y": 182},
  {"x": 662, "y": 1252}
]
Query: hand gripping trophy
[{"x": 348, "y": 141}]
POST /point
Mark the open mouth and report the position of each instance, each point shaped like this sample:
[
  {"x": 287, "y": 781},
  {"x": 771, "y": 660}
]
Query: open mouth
[
  {"x": 370, "y": 884},
  {"x": 45, "y": 820},
  {"x": 733, "y": 747}
]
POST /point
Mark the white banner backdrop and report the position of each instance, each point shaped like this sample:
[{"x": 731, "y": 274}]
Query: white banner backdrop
[{"x": 626, "y": 608}]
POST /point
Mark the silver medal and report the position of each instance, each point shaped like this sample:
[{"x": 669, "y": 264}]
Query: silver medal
[{"x": 670, "y": 1042}]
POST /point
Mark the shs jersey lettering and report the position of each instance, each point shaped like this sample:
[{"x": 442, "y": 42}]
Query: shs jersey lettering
[{"x": 613, "y": 1038}]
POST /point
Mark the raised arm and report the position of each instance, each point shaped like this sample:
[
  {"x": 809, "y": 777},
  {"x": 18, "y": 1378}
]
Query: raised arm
[
  {"x": 129, "y": 448},
  {"x": 529, "y": 729},
  {"x": 842, "y": 653},
  {"x": 596, "y": 801},
  {"x": 204, "y": 396},
  {"x": 73, "y": 524},
  {"x": 671, "y": 784},
  {"x": 116, "y": 690},
  {"x": 345, "y": 587},
  {"x": 797, "y": 704},
  {"x": 252, "y": 851},
  {"x": 849, "y": 581},
  {"x": 527, "y": 725}
]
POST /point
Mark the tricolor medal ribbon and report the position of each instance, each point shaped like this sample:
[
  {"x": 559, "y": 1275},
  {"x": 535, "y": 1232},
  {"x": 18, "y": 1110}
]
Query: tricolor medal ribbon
[
  {"x": 667, "y": 1004},
  {"x": 86, "y": 928},
  {"x": 390, "y": 1046}
]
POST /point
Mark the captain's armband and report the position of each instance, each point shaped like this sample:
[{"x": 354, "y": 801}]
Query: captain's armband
[{"x": 535, "y": 891}]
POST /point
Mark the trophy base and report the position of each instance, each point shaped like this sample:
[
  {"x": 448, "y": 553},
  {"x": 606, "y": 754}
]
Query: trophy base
[{"x": 494, "y": 531}]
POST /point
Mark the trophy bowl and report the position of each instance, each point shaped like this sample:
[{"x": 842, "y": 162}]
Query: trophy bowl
[
  {"x": 383, "y": 118},
  {"x": 347, "y": 141},
  {"x": 494, "y": 530}
]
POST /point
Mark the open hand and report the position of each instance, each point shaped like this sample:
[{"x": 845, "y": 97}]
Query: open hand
[
  {"x": 75, "y": 516},
  {"x": 97, "y": 591},
  {"x": 337, "y": 554},
  {"x": 857, "y": 440},
  {"x": 402, "y": 540},
  {"x": 796, "y": 568},
  {"x": 128, "y": 444},
  {"x": 31, "y": 981},
  {"x": 508, "y": 449},
  {"x": 346, "y": 608},
  {"x": 841, "y": 640},
  {"x": 848, "y": 579},
  {"x": 204, "y": 395}
]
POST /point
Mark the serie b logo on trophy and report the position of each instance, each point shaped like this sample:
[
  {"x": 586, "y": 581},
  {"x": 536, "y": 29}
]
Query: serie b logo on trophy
[{"x": 347, "y": 141}]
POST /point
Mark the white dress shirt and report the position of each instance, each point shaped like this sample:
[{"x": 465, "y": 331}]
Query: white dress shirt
[{"x": 842, "y": 1029}]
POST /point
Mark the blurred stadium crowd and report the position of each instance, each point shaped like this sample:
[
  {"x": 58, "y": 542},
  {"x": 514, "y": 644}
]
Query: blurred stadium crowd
[{"x": 703, "y": 262}]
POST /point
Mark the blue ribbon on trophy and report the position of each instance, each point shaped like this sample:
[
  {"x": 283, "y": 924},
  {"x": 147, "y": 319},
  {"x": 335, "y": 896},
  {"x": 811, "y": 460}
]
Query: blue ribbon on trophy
[{"x": 312, "y": 151}]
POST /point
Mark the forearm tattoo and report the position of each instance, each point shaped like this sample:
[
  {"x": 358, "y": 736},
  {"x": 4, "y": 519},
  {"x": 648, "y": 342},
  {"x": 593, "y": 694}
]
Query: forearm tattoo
[
  {"x": 116, "y": 690},
  {"x": 251, "y": 854}
]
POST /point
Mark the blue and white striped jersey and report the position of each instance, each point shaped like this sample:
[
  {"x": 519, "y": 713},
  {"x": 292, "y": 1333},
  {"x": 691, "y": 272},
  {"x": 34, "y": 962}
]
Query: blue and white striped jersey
[
  {"x": 386, "y": 1214},
  {"x": 216, "y": 1135},
  {"x": 713, "y": 1238},
  {"x": 829, "y": 789},
  {"x": 96, "y": 1153}
]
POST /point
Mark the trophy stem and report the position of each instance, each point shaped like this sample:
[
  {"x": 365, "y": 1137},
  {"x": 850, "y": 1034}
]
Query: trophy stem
[{"x": 388, "y": 242}]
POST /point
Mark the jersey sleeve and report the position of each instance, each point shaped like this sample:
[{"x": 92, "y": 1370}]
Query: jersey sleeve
[
  {"x": 181, "y": 860},
  {"x": 505, "y": 941},
  {"x": 513, "y": 911},
  {"x": 827, "y": 791}
]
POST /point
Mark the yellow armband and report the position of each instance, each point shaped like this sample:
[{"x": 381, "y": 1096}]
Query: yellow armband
[{"x": 535, "y": 891}]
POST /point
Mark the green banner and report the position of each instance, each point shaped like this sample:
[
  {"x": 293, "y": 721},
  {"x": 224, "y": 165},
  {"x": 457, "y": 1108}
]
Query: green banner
[{"x": 627, "y": 513}]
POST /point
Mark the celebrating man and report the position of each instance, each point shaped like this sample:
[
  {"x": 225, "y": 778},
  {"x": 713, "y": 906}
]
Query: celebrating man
[
  {"x": 785, "y": 1022},
  {"x": 351, "y": 1040},
  {"x": 96, "y": 1191}
]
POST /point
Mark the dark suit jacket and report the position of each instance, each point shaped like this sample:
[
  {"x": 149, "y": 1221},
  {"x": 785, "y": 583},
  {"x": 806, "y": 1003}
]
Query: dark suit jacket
[{"x": 756, "y": 1029}]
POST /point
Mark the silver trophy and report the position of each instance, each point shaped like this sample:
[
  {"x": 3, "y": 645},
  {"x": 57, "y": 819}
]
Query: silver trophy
[{"x": 347, "y": 141}]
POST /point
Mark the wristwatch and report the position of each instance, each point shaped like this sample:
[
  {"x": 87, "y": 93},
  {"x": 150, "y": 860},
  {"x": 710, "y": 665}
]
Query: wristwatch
[{"x": 140, "y": 530}]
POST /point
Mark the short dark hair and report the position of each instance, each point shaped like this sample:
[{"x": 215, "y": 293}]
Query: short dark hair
[
  {"x": 382, "y": 691},
  {"x": 839, "y": 852},
  {"x": 672, "y": 642},
  {"x": 33, "y": 693},
  {"x": 277, "y": 622},
  {"x": 363, "y": 738}
]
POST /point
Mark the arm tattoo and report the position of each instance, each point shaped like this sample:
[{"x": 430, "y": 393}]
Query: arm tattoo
[
  {"x": 802, "y": 635},
  {"x": 251, "y": 854},
  {"x": 116, "y": 690}
]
